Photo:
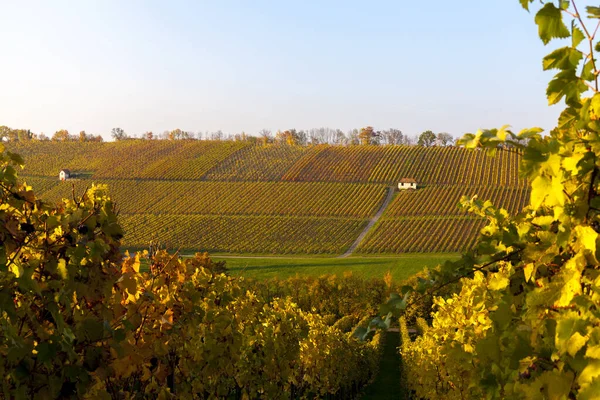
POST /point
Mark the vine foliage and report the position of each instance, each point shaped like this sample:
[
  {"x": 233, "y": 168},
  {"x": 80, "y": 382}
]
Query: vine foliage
[{"x": 526, "y": 320}]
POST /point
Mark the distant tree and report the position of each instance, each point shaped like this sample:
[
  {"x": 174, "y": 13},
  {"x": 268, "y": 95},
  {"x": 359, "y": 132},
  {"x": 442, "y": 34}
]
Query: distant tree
[
  {"x": 218, "y": 135},
  {"x": 444, "y": 139},
  {"x": 368, "y": 135},
  {"x": 340, "y": 138},
  {"x": 61, "y": 136},
  {"x": 175, "y": 134},
  {"x": 4, "y": 133},
  {"x": 83, "y": 137},
  {"x": 353, "y": 136},
  {"x": 302, "y": 137},
  {"x": 265, "y": 136},
  {"x": 118, "y": 134},
  {"x": 427, "y": 139},
  {"x": 22, "y": 134},
  {"x": 149, "y": 135},
  {"x": 42, "y": 136},
  {"x": 244, "y": 137},
  {"x": 392, "y": 136},
  {"x": 314, "y": 136},
  {"x": 13, "y": 135}
]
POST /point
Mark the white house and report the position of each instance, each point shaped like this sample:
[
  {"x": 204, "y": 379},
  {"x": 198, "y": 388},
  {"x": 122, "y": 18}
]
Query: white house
[
  {"x": 64, "y": 174},
  {"x": 407, "y": 183}
]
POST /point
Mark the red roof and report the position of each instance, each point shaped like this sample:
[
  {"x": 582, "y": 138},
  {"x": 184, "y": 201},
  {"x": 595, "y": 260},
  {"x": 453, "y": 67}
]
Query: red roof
[{"x": 407, "y": 180}]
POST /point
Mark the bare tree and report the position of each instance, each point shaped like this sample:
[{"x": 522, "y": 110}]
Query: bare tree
[
  {"x": 392, "y": 136},
  {"x": 218, "y": 135},
  {"x": 265, "y": 136},
  {"x": 444, "y": 139}
]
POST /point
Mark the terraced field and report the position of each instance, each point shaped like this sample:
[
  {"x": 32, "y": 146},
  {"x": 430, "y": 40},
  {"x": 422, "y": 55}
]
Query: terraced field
[{"x": 236, "y": 197}]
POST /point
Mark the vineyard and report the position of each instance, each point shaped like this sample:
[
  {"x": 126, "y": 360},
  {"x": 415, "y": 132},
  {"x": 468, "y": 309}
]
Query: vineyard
[
  {"x": 243, "y": 234},
  {"x": 514, "y": 317},
  {"x": 103, "y": 325},
  {"x": 237, "y": 197}
]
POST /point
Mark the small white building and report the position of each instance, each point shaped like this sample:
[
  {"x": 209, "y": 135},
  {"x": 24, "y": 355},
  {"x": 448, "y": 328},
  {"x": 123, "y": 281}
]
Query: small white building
[
  {"x": 407, "y": 183},
  {"x": 64, "y": 174}
]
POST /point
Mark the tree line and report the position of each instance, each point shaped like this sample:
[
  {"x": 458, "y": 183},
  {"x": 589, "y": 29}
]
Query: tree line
[{"x": 364, "y": 136}]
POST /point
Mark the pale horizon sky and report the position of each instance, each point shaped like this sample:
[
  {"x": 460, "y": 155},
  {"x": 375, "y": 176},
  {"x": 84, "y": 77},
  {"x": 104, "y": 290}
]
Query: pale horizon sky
[{"x": 243, "y": 66}]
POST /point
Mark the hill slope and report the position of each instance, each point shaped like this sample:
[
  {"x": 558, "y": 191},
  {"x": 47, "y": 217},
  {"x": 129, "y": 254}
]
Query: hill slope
[{"x": 244, "y": 198}]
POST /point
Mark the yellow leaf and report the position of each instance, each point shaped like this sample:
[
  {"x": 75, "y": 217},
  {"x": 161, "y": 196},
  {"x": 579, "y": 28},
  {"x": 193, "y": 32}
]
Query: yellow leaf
[
  {"x": 129, "y": 283},
  {"x": 62, "y": 268},
  {"x": 539, "y": 191},
  {"x": 498, "y": 281},
  {"x": 586, "y": 236},
  {"x": 593, "y": 351},
  {"x": 575, "y": 343},
  {"x": 589, "y": 373},
  {"x": 528, "y": 270},
  {"x": 167, "y": 317}
]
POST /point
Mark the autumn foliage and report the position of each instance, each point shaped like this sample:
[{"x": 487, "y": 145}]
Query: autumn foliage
[{"x": 80, "y": 320}]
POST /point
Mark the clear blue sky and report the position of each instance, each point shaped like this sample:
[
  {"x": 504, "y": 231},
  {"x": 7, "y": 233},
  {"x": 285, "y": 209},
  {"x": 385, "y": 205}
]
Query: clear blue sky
[{"x": 452, "y": 66}]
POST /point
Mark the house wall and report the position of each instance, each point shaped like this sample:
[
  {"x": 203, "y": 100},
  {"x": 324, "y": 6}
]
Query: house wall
[{"x": 402, "y": 186}]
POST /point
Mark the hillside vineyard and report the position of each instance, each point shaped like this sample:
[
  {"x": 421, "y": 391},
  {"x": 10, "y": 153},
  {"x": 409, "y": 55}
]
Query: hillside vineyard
[{"x": 224, "y": 196}]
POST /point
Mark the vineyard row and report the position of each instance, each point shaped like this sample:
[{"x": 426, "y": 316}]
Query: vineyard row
[
  {"x": 228, "y": 198},
  {"x": 422, "y": 235},
  {"x": 237, "y": 161},
  {"x": 445, "y": 200}
]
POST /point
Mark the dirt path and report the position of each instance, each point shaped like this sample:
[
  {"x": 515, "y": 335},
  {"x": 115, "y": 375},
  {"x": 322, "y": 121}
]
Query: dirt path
[{"x": 372, "y": 222}]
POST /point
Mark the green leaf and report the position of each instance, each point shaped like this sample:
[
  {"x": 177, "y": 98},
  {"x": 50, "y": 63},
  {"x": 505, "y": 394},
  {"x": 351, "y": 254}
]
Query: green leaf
[
  {"x": 360, "y": 332},
  {"x": 588, "y": 71},
  {"x": 591, "y": 391},
  {"x": 45, "y": 352},
  {"x": 529, "y": 133},
  {"x": 557, "y": 385},
  {"x": 525, "y": 4},
  {"x": 565, "y": 84},
  {"x": 593, "y": 12},
  {"x": 564, "y": 4},
  {"x": 119, "y": 335},
  {"x": 563, "y": 58},
  {"x": 502, "y": 315},
  {"x": 566, "y": 329},
  {"x": 577, "y": 36},
  {"x": 550, "y": 23}
]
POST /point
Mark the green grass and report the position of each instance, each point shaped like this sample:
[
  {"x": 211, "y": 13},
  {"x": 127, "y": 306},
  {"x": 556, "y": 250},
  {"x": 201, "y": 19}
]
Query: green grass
[{"x": 401, "y": 267}]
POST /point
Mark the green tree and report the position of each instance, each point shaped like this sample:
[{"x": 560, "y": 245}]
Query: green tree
[{"x": 427, "y": 139}]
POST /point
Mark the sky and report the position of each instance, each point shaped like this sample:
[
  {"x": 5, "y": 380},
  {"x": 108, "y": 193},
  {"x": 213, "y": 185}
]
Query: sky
[{"x": 144, "y": 65}]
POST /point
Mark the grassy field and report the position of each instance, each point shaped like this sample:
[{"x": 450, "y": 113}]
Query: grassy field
[{"x": 401, "y": 267}]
